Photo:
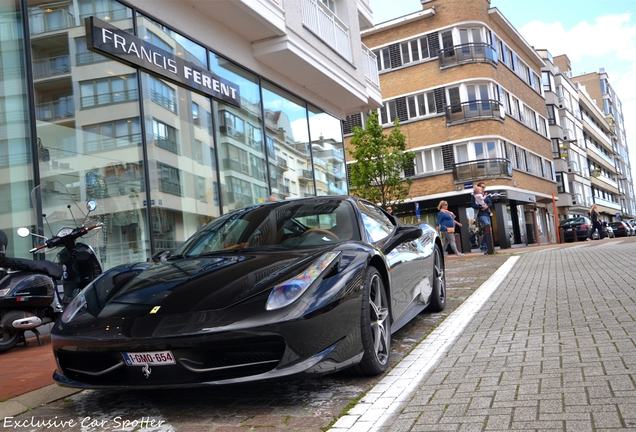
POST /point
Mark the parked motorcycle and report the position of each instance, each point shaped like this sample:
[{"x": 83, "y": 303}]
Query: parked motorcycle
[{"x": 29, "y": 294}]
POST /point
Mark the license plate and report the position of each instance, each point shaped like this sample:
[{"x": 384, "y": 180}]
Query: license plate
[
  {"x": 153, "y": 358},
  {"x": 568, "y": 229}
]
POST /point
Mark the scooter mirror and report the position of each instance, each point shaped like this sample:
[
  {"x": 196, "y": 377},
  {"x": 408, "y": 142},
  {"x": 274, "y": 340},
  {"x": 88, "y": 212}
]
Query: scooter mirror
[
  {"x": 24, "y": 232},
  {"x": 91, "y": 205}
]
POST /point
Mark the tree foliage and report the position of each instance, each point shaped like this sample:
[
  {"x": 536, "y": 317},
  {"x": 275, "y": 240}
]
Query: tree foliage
[{"x": 380, "y": 161}]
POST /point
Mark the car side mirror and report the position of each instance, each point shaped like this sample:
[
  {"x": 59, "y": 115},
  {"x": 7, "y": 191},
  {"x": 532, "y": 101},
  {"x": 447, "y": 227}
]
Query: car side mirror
[
  {"x": 403, "y": 234},
  {"x": 160, "y": 256}
]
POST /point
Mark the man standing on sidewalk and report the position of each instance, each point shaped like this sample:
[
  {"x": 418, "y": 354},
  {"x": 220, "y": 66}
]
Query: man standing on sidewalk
[{"x": 483, "y": 214}]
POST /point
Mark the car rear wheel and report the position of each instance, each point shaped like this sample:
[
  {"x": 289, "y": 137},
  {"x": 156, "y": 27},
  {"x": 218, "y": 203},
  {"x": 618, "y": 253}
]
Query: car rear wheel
[
  {"x": 438, "y": 296},
  {"x": 375, "y": 326},
  {"x": 9, "y": 339}
]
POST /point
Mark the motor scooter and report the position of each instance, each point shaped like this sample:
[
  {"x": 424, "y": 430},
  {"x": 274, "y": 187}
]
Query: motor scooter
[{"x": 29, "y": 294}]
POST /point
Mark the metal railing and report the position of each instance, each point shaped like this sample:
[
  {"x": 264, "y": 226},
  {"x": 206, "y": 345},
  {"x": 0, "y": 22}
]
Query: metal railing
[
  {"x": 467, "y": 53},
  {"x": 62, "y": 108},
  {"x": 370, "y": 65},
  {"x": 51, "y": 66},
  {"x": 482, "y": 168},
  {"x": 166, "y": 144},
  {"x": 50, "y": 21},
  {"x": 326, "y": 25},
  {"x": 169, "y": 187},
  {"x": 473, "y": 110},
  {"x": 97, "y": 100}
]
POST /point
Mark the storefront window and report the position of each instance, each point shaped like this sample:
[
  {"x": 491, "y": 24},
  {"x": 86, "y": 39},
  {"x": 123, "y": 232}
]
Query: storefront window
[
  {"x": 92, "y": 148},
  {"x": 287, "y": 131},
  {"x": 328, "y": 151},
  {"x": 16, "y": 141},
  {"x": 239, "y": 133}
]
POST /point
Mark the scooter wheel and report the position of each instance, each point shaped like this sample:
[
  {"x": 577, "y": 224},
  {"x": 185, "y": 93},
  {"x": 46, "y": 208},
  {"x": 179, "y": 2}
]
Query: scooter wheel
[{"x": 9, "y": 339}]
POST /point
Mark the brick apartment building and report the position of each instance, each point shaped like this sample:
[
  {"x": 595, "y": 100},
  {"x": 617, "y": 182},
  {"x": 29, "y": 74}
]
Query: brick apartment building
[{"x": 467, "y": 91}]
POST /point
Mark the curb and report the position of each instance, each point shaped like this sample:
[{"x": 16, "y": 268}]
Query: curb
[{"x": 34, "y": 399}]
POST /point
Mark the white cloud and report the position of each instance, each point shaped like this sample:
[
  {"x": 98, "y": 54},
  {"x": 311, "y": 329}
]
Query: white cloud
[{"x": 609, "y": 42}]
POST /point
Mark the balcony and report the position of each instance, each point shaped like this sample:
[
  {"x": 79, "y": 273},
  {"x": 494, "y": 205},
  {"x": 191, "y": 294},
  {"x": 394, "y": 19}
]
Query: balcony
[
  {"x": 282, "y": 163},
  {"x": 474, "y": 110},
  {"x": 305, "y": 175},
  {"x": 467, "y": 53},
  {"x": 50, "y": 21},
  {"x": 170, "y": 187},
  {"x": 60, "y": 109},
  {"x": 51, "y": 66},
  {"x": 235, "y": 165},
  {"x": 325, "y": 24},
  {"x": 167, "y": 144},
  {"x": 253, "y": 20},
  {"x": 482, "y": 168},
  {"x": 370, "y": 66}
]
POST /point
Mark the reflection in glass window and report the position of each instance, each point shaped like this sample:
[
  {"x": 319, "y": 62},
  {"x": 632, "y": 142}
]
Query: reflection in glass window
[
  {"x": 108, "y": 91},
  {"x": 286, "y": 126},
  {"x": 171, "y": 41},
  {"x": 328, "y": 155},
  {"x": 162, "y": 94},
  {"x": 240, "y": 138},
  {"x": 376, "y": 224},
  {"x": 178, "y": 184}
]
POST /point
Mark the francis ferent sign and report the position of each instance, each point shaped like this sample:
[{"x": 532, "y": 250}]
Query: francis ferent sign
[{"x": 116, "y": 43}]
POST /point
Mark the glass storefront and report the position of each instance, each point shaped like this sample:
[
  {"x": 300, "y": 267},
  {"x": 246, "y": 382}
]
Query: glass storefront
[{"x": 160, "y": 158}]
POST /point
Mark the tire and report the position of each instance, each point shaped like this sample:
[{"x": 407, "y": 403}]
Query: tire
[
  {"x": 375, "y": 327},
  {"x": 9, "y": 339},
  {"x": 438, "y": 296}
]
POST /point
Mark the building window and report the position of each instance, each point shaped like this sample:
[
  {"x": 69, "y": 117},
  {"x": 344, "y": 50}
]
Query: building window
[
  {"x": 383, "y": 58},
  {"x": 165, "y": 136},
  {"x": 428, "y": 161},
  {"x": 388, "y": 113},
  {"x": 169, "y": 179},
  {"x": 162, "y": 94},
  {"x": 108, "y": 91},
  {"x": 421, "y": 105},
  {"x": 111, "y": 135},
  {"x": 414, "y": 50},
  {"x": 231, "y": 125}
]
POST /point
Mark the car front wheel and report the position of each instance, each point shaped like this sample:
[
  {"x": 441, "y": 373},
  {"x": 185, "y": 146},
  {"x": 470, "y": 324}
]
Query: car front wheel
[
  {"x": 375, "y": 326},
  {"x": 438, "y": 296}
]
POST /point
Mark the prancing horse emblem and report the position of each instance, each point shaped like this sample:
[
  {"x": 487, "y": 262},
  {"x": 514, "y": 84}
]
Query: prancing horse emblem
[{"x": 146, "y": 370}]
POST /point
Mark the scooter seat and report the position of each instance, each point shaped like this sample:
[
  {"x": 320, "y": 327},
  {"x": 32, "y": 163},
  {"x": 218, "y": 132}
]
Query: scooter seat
[{"x": 40, "y": 266}]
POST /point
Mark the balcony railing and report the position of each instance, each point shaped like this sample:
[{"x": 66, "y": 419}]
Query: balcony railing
[
  {"x": 234, "y": 165},
  {"x": 97, "y": 100},
  {"x": 474, "y": 110},
  {"x": 50, "y": 21},
  {"x": 304, "y": 174},
  {"x": 62, "y": 108},
  {"x": 370, "y": 65},
  {"x": 170, "y": 187},
  {"x": 482, "y": 168},
  {"x": 326, "y": 25},
  {"x": 282, "y": 163},
  {"x": 166, "y": 144},
  {"x": 51, "y": 66},
  {"x": 467, "y": 53}
]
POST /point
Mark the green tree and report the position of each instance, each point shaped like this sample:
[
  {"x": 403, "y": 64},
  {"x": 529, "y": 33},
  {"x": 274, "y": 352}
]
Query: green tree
[{"x": 380, "y": 160}]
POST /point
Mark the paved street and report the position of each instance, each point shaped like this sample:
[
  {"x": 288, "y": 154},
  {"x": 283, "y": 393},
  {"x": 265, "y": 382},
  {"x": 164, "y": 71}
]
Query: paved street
[{"x": 550, "y": 349}]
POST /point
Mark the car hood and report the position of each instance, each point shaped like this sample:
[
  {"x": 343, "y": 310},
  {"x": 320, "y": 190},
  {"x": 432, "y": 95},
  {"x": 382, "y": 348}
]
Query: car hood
[{"x": 212, "y": 282}]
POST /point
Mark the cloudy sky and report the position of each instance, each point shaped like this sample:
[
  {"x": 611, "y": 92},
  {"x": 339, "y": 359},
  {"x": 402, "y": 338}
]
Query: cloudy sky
[{"x": 593, "y": 34}]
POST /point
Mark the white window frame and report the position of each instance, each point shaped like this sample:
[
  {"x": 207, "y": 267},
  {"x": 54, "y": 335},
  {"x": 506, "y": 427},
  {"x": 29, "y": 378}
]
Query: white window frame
[
  {"x": 419, "y": 105},
  {"x": 429, "y": 161}
]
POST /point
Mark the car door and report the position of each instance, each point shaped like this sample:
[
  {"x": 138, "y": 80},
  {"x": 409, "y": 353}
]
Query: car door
[{"x": 405, "y": 261}]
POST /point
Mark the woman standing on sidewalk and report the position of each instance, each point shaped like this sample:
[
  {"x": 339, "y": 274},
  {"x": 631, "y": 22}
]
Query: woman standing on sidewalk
[{"x": 446, "y": 226}]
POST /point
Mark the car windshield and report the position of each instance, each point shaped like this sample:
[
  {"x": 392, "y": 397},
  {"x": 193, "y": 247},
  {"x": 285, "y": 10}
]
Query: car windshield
[
  {"x": 616, "y": 224},
  {"x": 281, "y": 225}
]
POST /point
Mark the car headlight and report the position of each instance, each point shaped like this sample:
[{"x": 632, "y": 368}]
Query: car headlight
[
  {"x": 76, "y": 307},
  {"x": 289, "y": 291}
]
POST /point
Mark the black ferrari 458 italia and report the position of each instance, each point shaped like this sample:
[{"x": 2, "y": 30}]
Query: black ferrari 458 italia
[{"x": 307, "y": 286}]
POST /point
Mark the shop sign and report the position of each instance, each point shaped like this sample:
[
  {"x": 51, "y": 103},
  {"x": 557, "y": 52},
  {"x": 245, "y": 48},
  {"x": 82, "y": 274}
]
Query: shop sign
[{"x": 120, "y": 45}]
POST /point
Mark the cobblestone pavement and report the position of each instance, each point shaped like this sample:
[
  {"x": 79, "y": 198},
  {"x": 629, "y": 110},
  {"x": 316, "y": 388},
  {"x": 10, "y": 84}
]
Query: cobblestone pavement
[
  {"x": 549, "y": 350},
  {"x": 553, "y": 349}
]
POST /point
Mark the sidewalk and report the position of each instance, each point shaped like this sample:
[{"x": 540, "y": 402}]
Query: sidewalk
[{"x": 553, "y": 348}]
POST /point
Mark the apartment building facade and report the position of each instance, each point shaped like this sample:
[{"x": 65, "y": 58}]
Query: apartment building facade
[
  {"x": 467, "y": 91},
  {"x": 171, "y": 113},
  {"x": 597, "y": 85}
]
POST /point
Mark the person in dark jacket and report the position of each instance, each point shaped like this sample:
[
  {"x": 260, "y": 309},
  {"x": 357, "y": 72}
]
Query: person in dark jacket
[
  {"x": 596, "y": 223},
  {"x": 483, "y": 214}
]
